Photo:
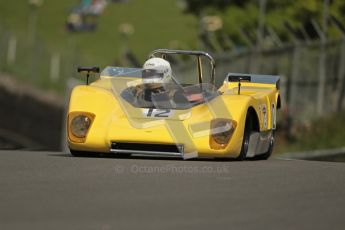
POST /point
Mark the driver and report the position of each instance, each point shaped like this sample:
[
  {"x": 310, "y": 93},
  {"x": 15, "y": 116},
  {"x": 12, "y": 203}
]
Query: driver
[
  {"x": 155, "y": 75},
  {"x": 156, "y": 79}
]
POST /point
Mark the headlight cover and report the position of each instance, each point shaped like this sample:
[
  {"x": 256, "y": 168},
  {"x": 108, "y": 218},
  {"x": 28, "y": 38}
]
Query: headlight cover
[
  {"x": 79, "y": 124},
  {"x": 221, "y": 131}
]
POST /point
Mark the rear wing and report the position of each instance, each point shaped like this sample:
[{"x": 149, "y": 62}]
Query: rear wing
[{"x": 254, "y": 78}]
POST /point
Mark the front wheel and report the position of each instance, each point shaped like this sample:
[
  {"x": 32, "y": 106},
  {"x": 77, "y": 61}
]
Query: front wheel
[
  {"x": 76, "y": 153},
  {"x": 246, "y": 138}
]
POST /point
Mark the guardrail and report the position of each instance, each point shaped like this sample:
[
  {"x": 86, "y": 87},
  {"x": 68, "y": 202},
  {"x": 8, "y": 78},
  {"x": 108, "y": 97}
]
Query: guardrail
[
  {"x": 312, "y": 85},
  {"x": 29, "y": 118},
  {"x": 322, "y": 154}
]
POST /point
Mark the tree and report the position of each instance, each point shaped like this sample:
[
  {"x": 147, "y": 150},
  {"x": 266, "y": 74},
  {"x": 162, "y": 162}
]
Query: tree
[{"x": 240, "y": 17}]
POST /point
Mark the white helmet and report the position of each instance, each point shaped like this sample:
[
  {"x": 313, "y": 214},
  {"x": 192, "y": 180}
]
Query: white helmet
[{"x": 157, "y": 70}]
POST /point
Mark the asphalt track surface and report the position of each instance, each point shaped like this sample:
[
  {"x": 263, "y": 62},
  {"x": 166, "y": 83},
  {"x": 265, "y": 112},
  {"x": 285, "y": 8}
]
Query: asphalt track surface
[{"x": 47, "y": 190}]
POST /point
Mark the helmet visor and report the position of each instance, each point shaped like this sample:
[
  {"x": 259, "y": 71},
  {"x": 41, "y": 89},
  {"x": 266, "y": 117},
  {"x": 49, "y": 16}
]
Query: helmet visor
[{"x": 152, "y": 73}]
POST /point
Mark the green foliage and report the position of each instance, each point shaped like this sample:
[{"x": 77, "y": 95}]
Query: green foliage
[
  {"x": 243, "y": 15},
  {"x": 157, "y": 24},
  {"x": 198, "y": 6},
  {"x": 322, "y": 133}
]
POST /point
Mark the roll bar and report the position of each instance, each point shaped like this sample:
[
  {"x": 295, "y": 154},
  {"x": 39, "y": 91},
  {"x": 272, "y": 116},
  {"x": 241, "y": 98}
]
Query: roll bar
[{"x": 199, "y": 54}]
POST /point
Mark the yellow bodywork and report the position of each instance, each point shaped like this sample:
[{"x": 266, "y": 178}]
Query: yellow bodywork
[{"x": 115, "y": 120}]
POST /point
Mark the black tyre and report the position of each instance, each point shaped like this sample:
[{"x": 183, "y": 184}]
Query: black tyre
[
  {"x": 76, "y": 153},
  {"x": 246, "y": 137}
]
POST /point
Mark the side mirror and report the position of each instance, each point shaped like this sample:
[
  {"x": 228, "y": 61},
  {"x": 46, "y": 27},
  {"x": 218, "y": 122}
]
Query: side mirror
[
  {"x": 88, "y": 70},
  {"x": 239, "y": 79},
  {"x": 94, "y": 69}
]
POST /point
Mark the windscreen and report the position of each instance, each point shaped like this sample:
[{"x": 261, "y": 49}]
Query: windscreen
[
  {"x": 148, "y": 89},
  {"x": 112, "y": 71},
  {"x": 169, "y": 96}
]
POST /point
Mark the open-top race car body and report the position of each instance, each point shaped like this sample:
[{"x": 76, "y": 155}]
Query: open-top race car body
[{"x": 121, "y": 113}]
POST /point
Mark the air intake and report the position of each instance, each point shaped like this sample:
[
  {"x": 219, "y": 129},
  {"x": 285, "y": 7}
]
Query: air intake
[{"x": 147, "y": 149}]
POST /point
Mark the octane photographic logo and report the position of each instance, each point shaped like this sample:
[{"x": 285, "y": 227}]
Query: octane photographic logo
[
  {"x": 158, "y": 117},
  {"x": 171, "y": 169}
]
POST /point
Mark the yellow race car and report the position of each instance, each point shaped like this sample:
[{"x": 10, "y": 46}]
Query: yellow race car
[{"x": 152, "y": 111}]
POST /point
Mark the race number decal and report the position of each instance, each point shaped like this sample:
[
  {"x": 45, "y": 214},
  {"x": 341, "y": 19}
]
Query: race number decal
[
  {"x": 158, "y": 113},
  {"x": 274, "y": 116},
  {"x": 264, "y": 113}
]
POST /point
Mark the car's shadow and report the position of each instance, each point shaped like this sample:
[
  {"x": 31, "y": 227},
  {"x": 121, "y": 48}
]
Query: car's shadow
[{"x": 139, "y": 157}]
